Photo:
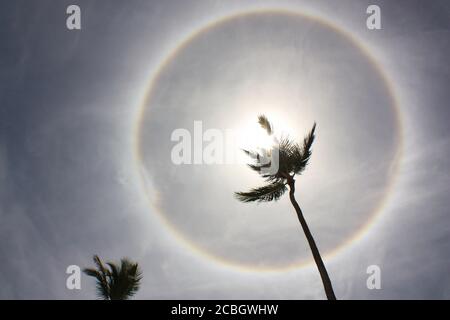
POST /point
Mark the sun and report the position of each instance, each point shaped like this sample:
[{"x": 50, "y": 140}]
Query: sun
[{"x": 253, "y": 137}]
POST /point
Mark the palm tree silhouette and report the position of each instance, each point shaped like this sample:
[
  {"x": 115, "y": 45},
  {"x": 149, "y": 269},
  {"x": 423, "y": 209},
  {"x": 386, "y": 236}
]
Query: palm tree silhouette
[
  {"x": 118, "y": 282},
  {"x": 292, "y": 160}
]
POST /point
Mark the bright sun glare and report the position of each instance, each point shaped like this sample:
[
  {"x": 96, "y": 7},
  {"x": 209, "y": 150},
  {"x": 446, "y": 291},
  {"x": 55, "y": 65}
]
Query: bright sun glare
[{"x": 253, "y": 137}]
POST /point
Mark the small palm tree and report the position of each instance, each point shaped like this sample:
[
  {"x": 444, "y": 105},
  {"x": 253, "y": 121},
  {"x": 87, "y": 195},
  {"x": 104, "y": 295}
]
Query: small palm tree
[
  {"x": 292, "y": 160},
  {"x": 116, "y": 282}
]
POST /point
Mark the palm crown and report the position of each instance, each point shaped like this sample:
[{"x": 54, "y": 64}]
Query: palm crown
[
  {"x": 116, "y": 282},
  {"x": 292, "y": 160}
]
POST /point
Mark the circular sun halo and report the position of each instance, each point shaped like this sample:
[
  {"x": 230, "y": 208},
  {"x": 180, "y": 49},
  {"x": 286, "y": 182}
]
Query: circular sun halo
[{"x": 255, "y": 137}]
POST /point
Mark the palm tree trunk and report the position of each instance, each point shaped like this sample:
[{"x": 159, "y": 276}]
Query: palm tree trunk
[{"x": 312, "y": 244}]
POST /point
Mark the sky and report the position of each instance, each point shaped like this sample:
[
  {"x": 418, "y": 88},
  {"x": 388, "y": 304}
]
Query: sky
[{"x": 86, "y": 118}]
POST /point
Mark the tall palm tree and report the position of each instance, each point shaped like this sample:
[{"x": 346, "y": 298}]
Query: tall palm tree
[
  {"x": 292, "y": 160},
  {"x": 118, "y": 282}
]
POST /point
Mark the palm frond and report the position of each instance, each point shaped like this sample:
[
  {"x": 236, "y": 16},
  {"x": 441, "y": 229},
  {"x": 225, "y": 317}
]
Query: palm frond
[
  {"x": 270, "y": 192},
  {"x": 102, "y": 285},
  {"x": 114, "y": 269},
  {"x": 252, "y": 154},
  {"x": 135, "y": 277},
  {"x": 301, "y": 155},
  {"x": 91, "y": 272},
  {"x": 100, "y": 265},
  {"x": 265, "y": 124},
  {"x": 101, "y": 274}
]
